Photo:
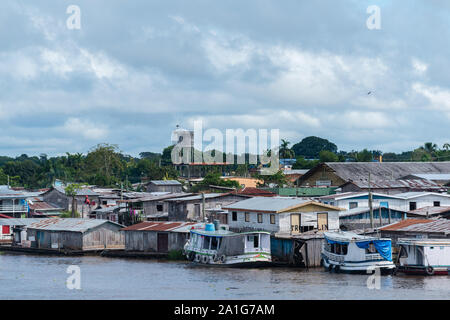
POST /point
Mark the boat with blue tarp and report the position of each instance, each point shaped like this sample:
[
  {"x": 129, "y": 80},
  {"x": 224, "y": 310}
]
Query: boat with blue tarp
[
  {"x": 222, "y": 247},
  {"x": 353, "y": 253}
]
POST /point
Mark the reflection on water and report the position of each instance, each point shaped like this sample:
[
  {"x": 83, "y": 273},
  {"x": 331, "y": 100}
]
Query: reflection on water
[{"x": 43, "y": 277}]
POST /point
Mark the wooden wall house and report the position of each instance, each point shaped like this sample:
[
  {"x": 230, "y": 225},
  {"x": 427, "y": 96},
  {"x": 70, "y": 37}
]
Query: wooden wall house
[
  {"x": 160, "y": 237},
  {"x": 75, "y": 234}
]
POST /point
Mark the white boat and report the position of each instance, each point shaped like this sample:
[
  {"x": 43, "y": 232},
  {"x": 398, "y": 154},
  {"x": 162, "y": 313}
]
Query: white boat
[
  {"x": 352, "y": 253},
  {"x": 424, "y": 256},
  {"x": 225, "y": 248}
]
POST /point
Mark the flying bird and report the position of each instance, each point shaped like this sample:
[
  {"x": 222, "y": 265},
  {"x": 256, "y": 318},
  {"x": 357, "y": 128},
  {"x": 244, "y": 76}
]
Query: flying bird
[{"x": 369, "y": 92}]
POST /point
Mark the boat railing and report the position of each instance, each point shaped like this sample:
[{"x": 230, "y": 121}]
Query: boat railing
[
  {"x": 374, "y": 256},
  {"x": 334, "y": 257}
]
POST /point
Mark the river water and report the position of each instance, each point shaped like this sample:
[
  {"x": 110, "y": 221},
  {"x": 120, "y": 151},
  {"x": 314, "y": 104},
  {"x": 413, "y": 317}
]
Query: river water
[{"x": 44, "y": 277}]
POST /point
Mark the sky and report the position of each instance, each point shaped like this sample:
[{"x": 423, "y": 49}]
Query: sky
[{"x": 136, "y": 69}]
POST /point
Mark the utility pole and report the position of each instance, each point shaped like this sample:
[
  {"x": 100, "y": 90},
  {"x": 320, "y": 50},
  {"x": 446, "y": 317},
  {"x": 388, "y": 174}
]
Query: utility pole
[
  {"x": 203, "y": 206},
  {"x": 370, "y": 205}
]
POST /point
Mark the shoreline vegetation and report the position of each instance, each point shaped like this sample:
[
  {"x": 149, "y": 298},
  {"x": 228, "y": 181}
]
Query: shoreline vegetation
[{"x": 106, "y": 166}]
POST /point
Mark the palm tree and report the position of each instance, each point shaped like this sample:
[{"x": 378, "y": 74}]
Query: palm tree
[
  {"x": 430, "y": 147},
  {"x": 446, "y": 146},
  {"x": 285, "y": 151}
]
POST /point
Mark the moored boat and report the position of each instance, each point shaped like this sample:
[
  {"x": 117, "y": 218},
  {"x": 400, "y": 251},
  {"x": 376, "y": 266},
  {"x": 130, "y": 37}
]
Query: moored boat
[
  {"x": 424, "y": 256},
  {"x": 352, "y": 253},
  {"x": 225, "y": 248}
]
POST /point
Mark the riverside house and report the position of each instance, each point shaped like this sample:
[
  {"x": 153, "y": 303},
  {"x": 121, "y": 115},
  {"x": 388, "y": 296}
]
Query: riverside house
[
  {"x": 407, "y": 201},
  {"x": 86, "y": 200},
  {"x": 282, "y": 215},
  {"x": 160, "y": 237},
  {"x": 74, "y": 234},
  {"x": 13, "y": 203}
]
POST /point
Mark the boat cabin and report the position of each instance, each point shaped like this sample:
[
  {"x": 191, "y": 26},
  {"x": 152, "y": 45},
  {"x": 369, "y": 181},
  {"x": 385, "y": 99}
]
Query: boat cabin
[
  {"x": 210, "y": 246},
  {"x": 348, "y": 251},
  {"x": 429, "y": 256}
]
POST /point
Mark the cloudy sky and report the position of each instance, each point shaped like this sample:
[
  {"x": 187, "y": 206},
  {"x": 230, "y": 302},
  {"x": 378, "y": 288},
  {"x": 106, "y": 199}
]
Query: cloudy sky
[{"x": 136, "y": 69}]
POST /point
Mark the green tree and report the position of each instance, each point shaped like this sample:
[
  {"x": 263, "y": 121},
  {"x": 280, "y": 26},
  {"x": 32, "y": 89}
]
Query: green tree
[
  {"x": 301, "y": 163},
  {"x": 311, "y": 146},
  {"x": 103, "y": 165},
  {"x": 214, "y": 179},
  {"x": 328, "y": 156},
  {"x": 278, "y": 179},
  {"x": 71, "y": 191},
  {"x": 285, "y": 152},
  {"x": 420, "y": 154},
  {"x": 364, "y": 156}
]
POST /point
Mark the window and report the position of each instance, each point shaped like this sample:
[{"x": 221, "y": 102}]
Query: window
[
  {"x": 260, "y": 218},
  {"x": 353, "y": 205},
  {"x": 412, "y": 206},
  {"x": 159, "y": 207},
  {"x": 214, "y": 243},
  {"x": 206, "y": 242},
  {"x": 272, "y": 219},
  {"x": 234, "y": 216},
  {"x": 403, "y": 252},
  {"x": 247, "y": 217},
  {"x": 254, "y": 239},
  {"x": 437, "y": 203},
  {"x": 384, "y": 204}
]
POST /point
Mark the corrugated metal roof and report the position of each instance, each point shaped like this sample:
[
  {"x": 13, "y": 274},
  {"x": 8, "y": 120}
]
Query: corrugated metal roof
[
  {"x": 403, "y": 224},
  {"x": 43, "y": 206},
  {"x": 384, "y": 170},
  {"x": 392, "y": 184},
  {"x": 430, "y": 210},
  {"x": 256, "y": 192},
  {"x": 166, "y": 182},
  {"x": 199, "y": 197},
  {"x": 163, "y": 226},
  {"x": 68, "y": 224},
  {"x": 159, "y": 197},
  {"x": 359, "y": 210},
  {"x": 435, "y": 226},
  {"x": 296, "y": 171},
  {"x": 410, "y": 195},
  {"x": 432, "y": 176},
  {"x": 81, "y": 192},
  {"x": 271, "y": 204},
  {"x": 18, "y": 221}
]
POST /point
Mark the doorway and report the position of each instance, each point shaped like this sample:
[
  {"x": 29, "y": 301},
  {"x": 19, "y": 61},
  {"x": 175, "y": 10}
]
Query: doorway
[{"x": 163, "y": 242}]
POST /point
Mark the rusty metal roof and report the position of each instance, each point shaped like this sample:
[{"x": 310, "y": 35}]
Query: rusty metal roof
[
  {"x": 399, "y": 226},
  {"x": 162, "y": 226},
  {"x": 252, "y": 191},
  {"x": 43, "y": 206},
  {"x": 69, "y": 224},
  {"x": 435, "y": 226}
]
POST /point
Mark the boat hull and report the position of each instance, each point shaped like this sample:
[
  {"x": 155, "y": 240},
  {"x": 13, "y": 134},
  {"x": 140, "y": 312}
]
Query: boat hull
[
  {"x": 422, "y": 270},
  {"x": 252, "y": 260},
  {"x": 363, "y": 267}
]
